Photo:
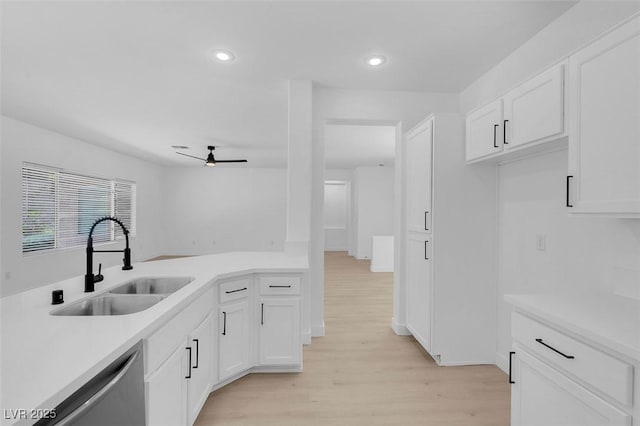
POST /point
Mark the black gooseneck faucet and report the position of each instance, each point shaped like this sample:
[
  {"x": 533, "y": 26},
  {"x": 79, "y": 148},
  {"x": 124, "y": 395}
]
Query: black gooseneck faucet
[{"x": 89, "y": 278}]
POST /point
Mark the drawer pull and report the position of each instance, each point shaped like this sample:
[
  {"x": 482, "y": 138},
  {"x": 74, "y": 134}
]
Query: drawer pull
[
  {"x": 554, "y": 349},
  {"x": 235, "y": 291},
  {"x": 280, "y": 286},
  {"x": 504, "y": 132},
  {"x": 188, "y": 376},
  {"x": 197, "y": 342},
  {"x": 495, "y": 143},
  {"x": 262, "y": 314},
  {"x": 568, "y": 201},
  {"x": 511, "y": 354}
]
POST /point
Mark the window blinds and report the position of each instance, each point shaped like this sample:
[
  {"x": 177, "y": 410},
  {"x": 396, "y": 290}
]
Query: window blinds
[{"x": 59, "y": 207}]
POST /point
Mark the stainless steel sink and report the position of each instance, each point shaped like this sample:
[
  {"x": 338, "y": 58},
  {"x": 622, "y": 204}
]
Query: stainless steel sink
[
  {"x": 152, "y": 285},
  {"x": 110, "y": 304}
]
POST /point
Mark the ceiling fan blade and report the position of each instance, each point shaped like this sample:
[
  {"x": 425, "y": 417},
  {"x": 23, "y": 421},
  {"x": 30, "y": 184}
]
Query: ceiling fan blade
[
  {"x": 231, "y": 161},
  {"x": 187, "y": 155}
]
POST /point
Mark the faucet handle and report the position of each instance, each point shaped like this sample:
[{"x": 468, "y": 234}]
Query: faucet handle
[{"x": 99, "y": 277}]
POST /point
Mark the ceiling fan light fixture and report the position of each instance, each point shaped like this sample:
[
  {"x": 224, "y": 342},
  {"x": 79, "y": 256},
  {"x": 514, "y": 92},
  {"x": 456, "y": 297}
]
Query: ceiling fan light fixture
[{"x": 211, "y": 162}]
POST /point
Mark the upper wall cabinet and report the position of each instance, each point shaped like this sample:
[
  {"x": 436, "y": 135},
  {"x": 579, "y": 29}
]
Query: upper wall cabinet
[
  {"x": 484, "y": 136},
  {"x": 604, "y": 142},
  {"x": 521, "y": 122},
  {"x": 535, "y": 110}
]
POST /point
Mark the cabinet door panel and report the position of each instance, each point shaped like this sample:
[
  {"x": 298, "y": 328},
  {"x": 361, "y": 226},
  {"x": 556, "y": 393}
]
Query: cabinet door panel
[
  {"x": 200, "y": 382},
  {"x": 418, "y": 150},
  {"x": 484, "y": 131},
  {"x": 604, "y": 143},
  {"x": 419, "y": 292},
  {"x": 234, "y": 339},
  {"x": 542, "y": 396},
  {"x": 166, "y": 391},
  {"x": 280, "y": 340},
  {"x": 535, "y": 110}
]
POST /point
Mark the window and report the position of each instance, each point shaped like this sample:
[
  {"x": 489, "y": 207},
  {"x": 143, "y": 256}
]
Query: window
[{"x": 59, "y": 207}]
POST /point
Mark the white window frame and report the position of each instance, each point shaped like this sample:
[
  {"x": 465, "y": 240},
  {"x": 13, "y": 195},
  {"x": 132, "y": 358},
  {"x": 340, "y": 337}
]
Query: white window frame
[{"x": 109, "y": 183}]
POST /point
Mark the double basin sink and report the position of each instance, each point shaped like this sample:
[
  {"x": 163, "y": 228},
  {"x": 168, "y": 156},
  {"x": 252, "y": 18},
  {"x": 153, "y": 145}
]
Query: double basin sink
[{"x": 132, "y": 296}]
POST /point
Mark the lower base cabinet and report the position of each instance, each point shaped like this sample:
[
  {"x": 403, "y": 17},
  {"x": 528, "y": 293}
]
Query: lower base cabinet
[
  {"x": 233, "y": 339},
  {"x": 280, "y": 331},
  {"x": 177, "y": 385},
  {"x": 543, "y": 396}
]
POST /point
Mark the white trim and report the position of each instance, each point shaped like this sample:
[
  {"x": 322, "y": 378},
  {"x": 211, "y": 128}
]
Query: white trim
[
  {"x": 502, "y": 362},
  {"x": 317, "y": 330},
  {"x": 381, "y": 268},
  {"x": 399, "y": 329}
]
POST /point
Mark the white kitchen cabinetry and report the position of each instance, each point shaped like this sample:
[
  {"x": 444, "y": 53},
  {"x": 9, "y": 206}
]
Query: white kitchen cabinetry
[
  {"x": 521, "y": 122},
  {"x": 534, "y": 111},
  {"x": 484, "y": 131},
  {"x": 559, "y": 380},
  {"x": 449, "y": 267},
  {"x": 418, "y": 146},
  {"x": 234, "y": 332},
  {"x": 280, "y": 331},
  {"x": 419, "y": 307},
  {"x": 200, "y": 342},
  {"x": 604, "y": 140},
  {"x": 177, "y": 365}
]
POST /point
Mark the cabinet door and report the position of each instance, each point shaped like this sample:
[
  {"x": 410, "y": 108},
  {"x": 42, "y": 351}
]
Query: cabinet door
[
  {"x": 418, "y": 154},
  {"x": 166, "y": 391},
  {"x": 484, "y": 131},
  {"x": 234, "y": 339},
  {"x": 535, "y": 110},
  {"x": 280, "y": 340},
  {"x": 419, "y": 294},
  {"x": 543, "y": 396},
  {"x": 200, "y": 341},
  {"x": 604, "y": 141}
]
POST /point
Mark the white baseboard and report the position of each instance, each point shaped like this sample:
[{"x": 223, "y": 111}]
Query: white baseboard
[
  {"x": 306, "y": 338},
  {"x": 399, "y": 329},
  {"x": 386, "y": 268},
  {"x": 461, "y": 363},
  {"x": 502, "y": 362},
  {"x": 317, "y": 330}
]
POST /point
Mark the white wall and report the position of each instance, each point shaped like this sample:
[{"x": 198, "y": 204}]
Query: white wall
[
  {"x": 572, "y": 30},
  {"x": 374, "y": 195},
  {"x": 582, "y": 253},
  {"x": 23, "y": 142},
  {"x": 212, "y": 210}
]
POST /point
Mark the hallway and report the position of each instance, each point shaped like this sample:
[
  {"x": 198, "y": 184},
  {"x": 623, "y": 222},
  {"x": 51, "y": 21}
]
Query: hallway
[{"x": 361, "y": 373}]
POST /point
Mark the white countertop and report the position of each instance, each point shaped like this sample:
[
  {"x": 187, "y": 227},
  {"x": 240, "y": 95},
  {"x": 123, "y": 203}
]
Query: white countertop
[
  {"x": 604, "y": 319},
  {"x": 45, "y": 358}
]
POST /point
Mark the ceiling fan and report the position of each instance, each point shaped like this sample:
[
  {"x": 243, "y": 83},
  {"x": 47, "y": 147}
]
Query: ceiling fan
[{"x": 210, "y": 160}]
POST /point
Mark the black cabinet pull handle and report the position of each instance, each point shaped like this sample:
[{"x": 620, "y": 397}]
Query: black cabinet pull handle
[
  {"x": 510, "y": 361},
  {"x": 554, "y": 349},
  {"x": 568, "y": 191},
  {"x": 224, "y": 324},
  {"x": 280, "y": 286},
  {"x": 426, "y": 227},
  {"x": 425, "y": 249},
  {"x": 235, "y": 291},
  {"x": 504, "y": 132},
  {"x": 262, "y": 314},
  {"x": 197, "y": 342},
  {"x": 188, "y": 376},
  {"x": 495, "y": 142}
]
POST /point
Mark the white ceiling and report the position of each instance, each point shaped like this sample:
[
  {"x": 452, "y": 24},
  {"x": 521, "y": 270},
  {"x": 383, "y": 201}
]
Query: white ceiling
[
  {"x": 350, "y": 146},
  {"x": 138, "y": 77}
]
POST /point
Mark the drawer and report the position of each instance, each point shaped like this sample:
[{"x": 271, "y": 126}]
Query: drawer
[
  {"x": 163, "y": 342},
  {"x": 279, "y": 285},
  {"x": 607, "y": 374},
  {"x": 234, "y": 290}
]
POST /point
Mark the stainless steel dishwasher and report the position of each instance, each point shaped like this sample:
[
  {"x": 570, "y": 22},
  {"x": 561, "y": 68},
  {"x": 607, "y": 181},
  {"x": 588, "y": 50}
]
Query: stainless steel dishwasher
[{"x": 115, "y": 396}]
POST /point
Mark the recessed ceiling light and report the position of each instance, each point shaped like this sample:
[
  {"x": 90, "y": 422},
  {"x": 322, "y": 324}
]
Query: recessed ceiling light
[
  {"x": 376, "y": 60},
  {"x": 223, "y": 55}
]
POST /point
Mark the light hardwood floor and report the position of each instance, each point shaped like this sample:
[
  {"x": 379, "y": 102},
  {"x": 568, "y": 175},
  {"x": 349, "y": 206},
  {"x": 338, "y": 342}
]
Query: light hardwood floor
[{"x": 361, "y": 373}]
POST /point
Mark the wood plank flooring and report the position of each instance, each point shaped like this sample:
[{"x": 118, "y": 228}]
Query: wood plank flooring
[{"x": 361, "y": 373}]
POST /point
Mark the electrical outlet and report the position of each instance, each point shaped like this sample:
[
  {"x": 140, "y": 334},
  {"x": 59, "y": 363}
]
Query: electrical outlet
[{"x": 541, "y": 242}]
